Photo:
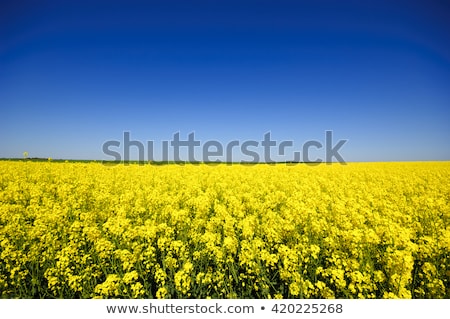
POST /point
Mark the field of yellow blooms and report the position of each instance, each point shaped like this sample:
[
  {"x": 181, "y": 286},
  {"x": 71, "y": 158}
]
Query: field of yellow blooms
[{"x": 90, "y": 230}]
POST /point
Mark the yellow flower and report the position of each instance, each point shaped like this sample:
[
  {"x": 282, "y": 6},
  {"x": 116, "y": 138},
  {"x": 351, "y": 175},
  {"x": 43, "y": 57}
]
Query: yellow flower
[{"x": 88, "y": 230}]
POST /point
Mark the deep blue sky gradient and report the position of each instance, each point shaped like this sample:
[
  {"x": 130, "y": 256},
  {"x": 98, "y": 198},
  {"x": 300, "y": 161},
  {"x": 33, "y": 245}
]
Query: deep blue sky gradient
[{"x": 76, "y": 74}]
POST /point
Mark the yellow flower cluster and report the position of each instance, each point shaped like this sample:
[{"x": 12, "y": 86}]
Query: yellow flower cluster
[{"x": 89, "y": 230}]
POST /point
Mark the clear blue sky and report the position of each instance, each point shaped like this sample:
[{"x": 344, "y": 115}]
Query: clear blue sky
[{"x": 76, "y": 74}]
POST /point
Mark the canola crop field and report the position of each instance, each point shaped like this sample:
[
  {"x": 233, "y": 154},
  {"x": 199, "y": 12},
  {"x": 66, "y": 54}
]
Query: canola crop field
[{"x": 89, "y": 230}]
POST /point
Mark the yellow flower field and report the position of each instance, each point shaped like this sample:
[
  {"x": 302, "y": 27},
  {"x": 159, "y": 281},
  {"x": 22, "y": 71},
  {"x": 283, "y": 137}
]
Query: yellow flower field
[{"x": 89, "y": 230}]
